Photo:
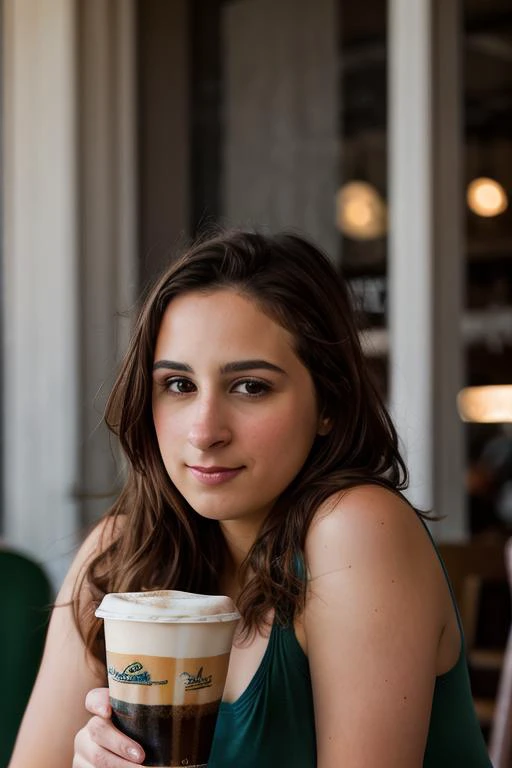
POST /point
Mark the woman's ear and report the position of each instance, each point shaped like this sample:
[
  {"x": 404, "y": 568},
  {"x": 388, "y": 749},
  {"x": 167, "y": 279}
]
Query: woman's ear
[{"x": 324, "y": 425}]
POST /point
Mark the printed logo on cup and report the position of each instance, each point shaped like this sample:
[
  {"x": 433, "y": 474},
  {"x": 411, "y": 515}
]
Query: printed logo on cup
[
  {"x": 135, "y": 674},
  {"x": 197, "y": 681},
  {"x": 164, "y": 680}
]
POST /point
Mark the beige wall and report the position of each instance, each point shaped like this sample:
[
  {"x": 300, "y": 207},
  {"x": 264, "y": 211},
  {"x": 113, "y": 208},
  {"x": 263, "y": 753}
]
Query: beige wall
[{"x": 40, "y": 348}]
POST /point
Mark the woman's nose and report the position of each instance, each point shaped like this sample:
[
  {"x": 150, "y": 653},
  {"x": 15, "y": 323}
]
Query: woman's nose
[{"x": 209, "y": 427}]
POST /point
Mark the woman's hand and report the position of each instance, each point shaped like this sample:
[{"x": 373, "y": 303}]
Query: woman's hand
[{"x": 99, "y": 744}]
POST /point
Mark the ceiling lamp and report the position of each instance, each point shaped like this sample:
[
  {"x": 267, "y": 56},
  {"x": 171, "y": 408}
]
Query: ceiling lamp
[
  {"x": 486, "y": 197},
  {"x": 486, "y": 405},
  {"x": 360, "y": 211}
]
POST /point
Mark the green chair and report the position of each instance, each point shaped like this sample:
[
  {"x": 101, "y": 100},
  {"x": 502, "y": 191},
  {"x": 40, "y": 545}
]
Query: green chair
[{"x": 26, "y": 597}]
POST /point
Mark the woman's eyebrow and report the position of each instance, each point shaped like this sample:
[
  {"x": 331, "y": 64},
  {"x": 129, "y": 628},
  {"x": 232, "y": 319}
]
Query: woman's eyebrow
[
  {"x": 234, "y": 367},
  {"x": 250, "y": 365},
  {"x": 172, "y": 365}
]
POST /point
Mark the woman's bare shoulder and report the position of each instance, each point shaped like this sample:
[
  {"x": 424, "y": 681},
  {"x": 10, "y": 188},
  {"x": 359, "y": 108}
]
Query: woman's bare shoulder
[
  {"x": 366, "y": 524},
  {"x": 373, "y": 618}
]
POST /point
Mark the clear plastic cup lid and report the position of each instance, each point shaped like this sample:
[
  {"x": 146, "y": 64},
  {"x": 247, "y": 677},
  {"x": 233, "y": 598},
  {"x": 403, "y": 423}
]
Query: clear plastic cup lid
[{"x": 169, "y": 606}]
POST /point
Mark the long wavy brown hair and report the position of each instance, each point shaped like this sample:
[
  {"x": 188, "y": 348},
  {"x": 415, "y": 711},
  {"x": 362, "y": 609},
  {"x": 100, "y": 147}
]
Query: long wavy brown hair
[{"x": 163, "y": 543}]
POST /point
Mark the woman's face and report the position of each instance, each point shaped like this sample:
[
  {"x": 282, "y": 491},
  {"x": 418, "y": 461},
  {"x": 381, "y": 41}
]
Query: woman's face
[{"x": 234, "y": 408}]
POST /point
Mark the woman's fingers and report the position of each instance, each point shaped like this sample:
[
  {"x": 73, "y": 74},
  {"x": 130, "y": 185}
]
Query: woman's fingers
[
  {"x": 97, "y": 702},
  {"x": 107, "y": 737},
  {"x": 99, "y": 744},
  {"x": 90, "y": 753}
]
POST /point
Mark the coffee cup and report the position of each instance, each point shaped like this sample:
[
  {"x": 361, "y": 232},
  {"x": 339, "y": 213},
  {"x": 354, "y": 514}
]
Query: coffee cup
[{"x": 167, "y": 661}]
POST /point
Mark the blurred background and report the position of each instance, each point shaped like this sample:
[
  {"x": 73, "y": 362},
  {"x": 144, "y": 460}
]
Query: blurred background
[{"x": 381, "y": 128}]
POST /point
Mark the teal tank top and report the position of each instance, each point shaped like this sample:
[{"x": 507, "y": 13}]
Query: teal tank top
[{"x": 272, "y": 723}]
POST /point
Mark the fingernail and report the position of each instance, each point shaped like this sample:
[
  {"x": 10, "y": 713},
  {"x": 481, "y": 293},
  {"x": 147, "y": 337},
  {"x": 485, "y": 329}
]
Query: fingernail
[
  {"x": 134, "y": 753},
  {"x": 104, "y": 711}
]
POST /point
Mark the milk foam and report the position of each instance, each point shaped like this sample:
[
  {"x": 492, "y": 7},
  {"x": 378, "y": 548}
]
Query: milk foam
[
  {"x": 167, "y": 606},
  {"x": 182, "y": 625}
]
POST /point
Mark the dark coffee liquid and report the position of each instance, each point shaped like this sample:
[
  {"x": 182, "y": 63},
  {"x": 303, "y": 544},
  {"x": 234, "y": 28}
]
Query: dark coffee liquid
[{"x": 169, "y": 735}]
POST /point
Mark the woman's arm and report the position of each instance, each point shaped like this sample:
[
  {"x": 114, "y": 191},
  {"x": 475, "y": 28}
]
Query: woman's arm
[
  {"x": 56, "y": 709},
  {"x": 374, "y": 615}
]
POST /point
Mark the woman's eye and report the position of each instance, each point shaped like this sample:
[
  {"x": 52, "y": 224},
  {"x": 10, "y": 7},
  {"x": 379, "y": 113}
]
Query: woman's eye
[
  {"x": 251, "y": 387},
  {"x": 179, "y": 386}
]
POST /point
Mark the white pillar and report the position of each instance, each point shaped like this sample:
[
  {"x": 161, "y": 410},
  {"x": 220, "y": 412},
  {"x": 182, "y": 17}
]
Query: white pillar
[
  {"x": 39, "y": 291},
  {"x": 410, "y": 238},
  {"x": 108, "y": 274},
  {"x": 425, "y": 272}
]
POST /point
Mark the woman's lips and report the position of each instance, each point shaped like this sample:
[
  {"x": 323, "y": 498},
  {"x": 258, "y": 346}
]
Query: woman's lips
[{"x": 214, "y": 475}]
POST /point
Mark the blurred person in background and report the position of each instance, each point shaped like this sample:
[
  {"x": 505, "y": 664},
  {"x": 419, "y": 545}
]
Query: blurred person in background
[{"x": 489, "y": 482}]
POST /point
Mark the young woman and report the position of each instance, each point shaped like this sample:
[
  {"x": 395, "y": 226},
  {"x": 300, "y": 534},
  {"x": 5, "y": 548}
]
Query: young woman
[{"x": 262, "y": 464}]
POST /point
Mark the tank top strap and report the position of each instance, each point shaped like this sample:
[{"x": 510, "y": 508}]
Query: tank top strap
[{"x": 448, "y": 581}]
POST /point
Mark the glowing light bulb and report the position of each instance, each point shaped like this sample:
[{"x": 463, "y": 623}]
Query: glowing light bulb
[
  {"x": 486, "y": 405},
  {"x": 486, "y": 197},
  {"x": 360, "y": 211}
]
